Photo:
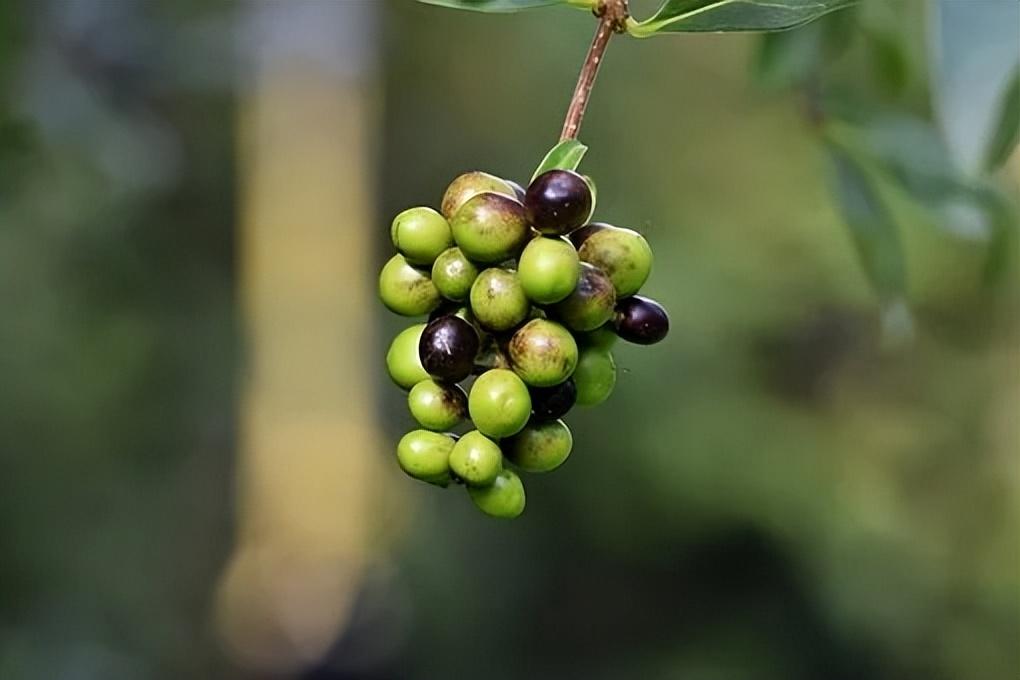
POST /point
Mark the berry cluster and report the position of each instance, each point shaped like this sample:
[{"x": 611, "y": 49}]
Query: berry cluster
[{"x": 525, "y": 293}]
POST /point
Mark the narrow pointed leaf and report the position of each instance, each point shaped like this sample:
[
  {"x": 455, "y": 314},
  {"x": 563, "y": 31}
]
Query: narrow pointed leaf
[
  {"x": 566, "y": 155},
  {"x": 493, "y": 5},
  {"x": 678, "y": 16},
  {"x": 1007, "y": 132}
]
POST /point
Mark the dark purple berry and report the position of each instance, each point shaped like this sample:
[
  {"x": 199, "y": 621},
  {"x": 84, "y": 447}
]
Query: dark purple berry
[
  {"x": 579, "y": 236},
  {"x": 550, "y": 403},
  {"x": 557, "y": 202},
  {"x": 448, "y": 347},
  {"x": 641, "y": 320}
]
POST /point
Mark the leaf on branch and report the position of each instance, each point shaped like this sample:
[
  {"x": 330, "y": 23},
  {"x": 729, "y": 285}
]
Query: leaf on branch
[
  {"x": 872, "y": 223},
  {"x": 566, "y": 155},
  {"x": 678, "y": 16},
  {"x": 494, "y": 5},
  {"x": 1007, "y": 133}
]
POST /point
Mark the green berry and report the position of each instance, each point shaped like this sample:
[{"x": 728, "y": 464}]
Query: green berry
[
  {"x": 476, "y": 459},
  {"x": 471, "y": 184},
  {"x": 453, "y": 274},
  {"x": 490, "y": 227},
  {"x": 540, "y": 447},
  {"x": 595, "y": 376},
  {"x": 420, "y": 235},
  {"x": 403, "y": 361},
  {"x": 425, "y": 455},
  {"x": 603, "y": 337},
  {"x": 592, "y": 302},
  {"x": 406, "y": 290},
  {"x": 499, "y": 403},
  {"x": 437, "y": 406},
  {"x": 543, "y": 353},
  {"x": 549, "y": 269},
  {"x": 623, "y": 254},
  {"x": 504, "y": 498},
  {"x": 498, "y": 300}
]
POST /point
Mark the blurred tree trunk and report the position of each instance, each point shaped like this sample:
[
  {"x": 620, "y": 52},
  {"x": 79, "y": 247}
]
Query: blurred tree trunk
[{"x": 308, "y": 465}]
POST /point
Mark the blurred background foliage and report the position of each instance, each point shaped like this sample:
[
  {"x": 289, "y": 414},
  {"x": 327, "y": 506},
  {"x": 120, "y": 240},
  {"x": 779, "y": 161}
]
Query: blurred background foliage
[{"x": 806, "y": 480}]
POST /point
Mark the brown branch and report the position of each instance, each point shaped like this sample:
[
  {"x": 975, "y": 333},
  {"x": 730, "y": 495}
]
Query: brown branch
[{"x": 612, "y": 19}]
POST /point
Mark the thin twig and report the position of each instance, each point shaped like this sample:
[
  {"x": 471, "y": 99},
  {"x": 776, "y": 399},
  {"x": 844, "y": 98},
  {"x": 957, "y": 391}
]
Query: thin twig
[{"x": 612, "y": 19}]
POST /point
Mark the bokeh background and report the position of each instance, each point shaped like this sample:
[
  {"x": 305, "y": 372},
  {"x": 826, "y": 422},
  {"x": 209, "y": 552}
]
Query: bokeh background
[{"x": 197, "y": 479}]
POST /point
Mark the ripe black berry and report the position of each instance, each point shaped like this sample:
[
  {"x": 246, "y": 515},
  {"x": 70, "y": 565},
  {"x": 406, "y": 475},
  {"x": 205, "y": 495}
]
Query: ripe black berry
[
  {"x": 550, "y": 403},
  {"x": 448, "y": 347},
  {"x": 558, "y": 201},
  {"x": 641, "y": 320}
]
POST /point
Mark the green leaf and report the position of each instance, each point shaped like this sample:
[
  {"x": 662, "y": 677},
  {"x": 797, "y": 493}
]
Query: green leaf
[
  {"x": 494, "y": 5},
  {"x": 1007, "y": 132},
  {"x": 676, "y": 16},
  {"x": 566, "y": 155},
  {"x": 871, "y": 221},
  {"x": 975, "y": 49}
]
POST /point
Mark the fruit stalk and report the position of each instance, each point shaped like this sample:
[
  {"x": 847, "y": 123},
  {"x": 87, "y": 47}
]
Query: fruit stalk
[{"x": 612, "y": 19}]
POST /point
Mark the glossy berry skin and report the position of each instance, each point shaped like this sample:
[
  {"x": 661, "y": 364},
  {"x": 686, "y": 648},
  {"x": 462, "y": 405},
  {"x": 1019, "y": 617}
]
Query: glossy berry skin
[
  {"x": 603, "y": 337},
  {"x": 406, "y": 290},
  {"x": 453, "y": 273},
  {"x": 476, "y": 459},
  {"x": 540, "y": 447},
  {"x": 499, "y": 403},
  {"x": 592, "y": 302},
  {"x": 471, "y": 184},
  {"x": 498, "y": 300},
  {"x": 623, "y": 254},
  {"x": 425, "y": 455},
  {"x": 490, "y": 227},
  {"x": 402, "y": 360},
  {"x": 581, "y": 234},
  {"x": 550, "y": 403},
  {"x": 448, "y": 347},
  {"x": 503, "y": 499},
  {"x": 641, "y": 320},
  {"x": 549, "y": 269},
  {"x": 595, "y": 376},
  {"x": 437, "y": 406},
  {"x": 420, "y": 234},
  {"x": 558, "y": 201},
  {"x": 543, "y": 353}
]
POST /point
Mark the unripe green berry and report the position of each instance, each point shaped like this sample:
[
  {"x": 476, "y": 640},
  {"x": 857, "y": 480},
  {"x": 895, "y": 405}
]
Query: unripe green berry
[
  {"x": 540, "y": 447},
  {"x": 471, "y": 184},
  {"x": 623, "y": 254},
  {"x": 490, "y": 227},
  {"x": 591, "y": 304},
  {"x": 437, "y": 406},
  {"x": 406, "y": 290},
  {"x": 476, "y": 459},
  {"x": 420, "y": 235},
  {"x": 403, "y": 361},
  {"x": 504, "y": 498},
  {"x": 425, "y": 455},
  {"x": 543, "y": 353},
  {"x": 595, "y": 376},
  {"x": 603, "y": 337},
  {"x": 549, "y": 269},
  {"x": 499, "y": 403},
  {"x": 498, "y": 300},
  {"x": 453, "y": 274}
]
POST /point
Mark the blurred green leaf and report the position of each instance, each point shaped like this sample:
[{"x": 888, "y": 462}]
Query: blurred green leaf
[
  {"x": 788, "y": 58},
  {"x": 1002, "y": 246},
  {"x": 1007, "y": 132},
  {"x": 566, "y": 155},
  {"x": 871, "y": 222},
  {"x": 675, "y": 16},
  {"x": 974, "y": 51},
  {"x": 493, "y": 5}
]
